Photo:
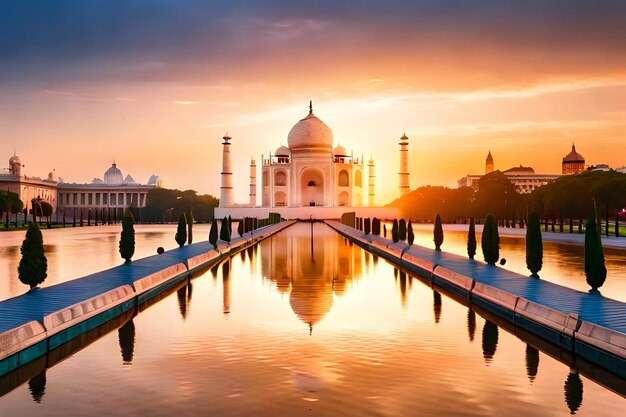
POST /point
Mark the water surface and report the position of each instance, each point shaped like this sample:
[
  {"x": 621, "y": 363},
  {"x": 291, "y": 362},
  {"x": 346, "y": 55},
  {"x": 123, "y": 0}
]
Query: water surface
[{"x": 295, "y": 327}]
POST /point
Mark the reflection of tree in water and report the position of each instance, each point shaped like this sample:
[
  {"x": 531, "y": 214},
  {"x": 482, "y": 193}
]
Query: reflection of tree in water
[
  {"x": 184, "y": 299},
  {"x": 532, "y": 362},
  {"x": 573, "y": 392},
  {"x": 437, "y": 306},
  {"x": 490, "y": 340},
  {"x": 250, "y": 251},
  {"x": 403, "y": 287},
  {"x": 226, "y": 286},
  {"x": 126, "y": 336},
  {"x": 37, "y": 386},
  {"x": 471, "y": 324}
]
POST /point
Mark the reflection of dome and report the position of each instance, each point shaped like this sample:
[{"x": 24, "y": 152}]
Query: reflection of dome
[
  {"x": 574, "y": 156},
  {"x": 311, "y": 299},
  {"x": 340, "y": 151},
  {"x": 283, "y": 151},
  {"x": 310, "y": 133},
  {"x": 113, "y": 175}
]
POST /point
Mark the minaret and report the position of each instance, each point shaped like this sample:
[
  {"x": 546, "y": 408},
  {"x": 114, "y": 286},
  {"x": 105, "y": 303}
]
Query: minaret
[
  {"x": 227, "y": 199},
  {"x": 489, "y": 164},
  {"x": 371, "y": 182},
  {"x": 404, "y": 165},
  {"x": 252, "y": 182}
]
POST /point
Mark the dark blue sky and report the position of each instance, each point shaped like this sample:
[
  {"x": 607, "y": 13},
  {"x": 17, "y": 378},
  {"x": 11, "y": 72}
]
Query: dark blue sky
[{"x": 157, "y": 40}]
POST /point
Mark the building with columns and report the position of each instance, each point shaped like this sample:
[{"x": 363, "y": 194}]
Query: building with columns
[
  {"x": 103, "y": 199},
  {"x": 523, "y": 178}
]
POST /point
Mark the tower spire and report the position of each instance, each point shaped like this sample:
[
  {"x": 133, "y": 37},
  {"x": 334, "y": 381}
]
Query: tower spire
[
  {"x": 227, "y": 198},
  {"x": 310, "y": 106},
  {"x": 404, "y": 165}
]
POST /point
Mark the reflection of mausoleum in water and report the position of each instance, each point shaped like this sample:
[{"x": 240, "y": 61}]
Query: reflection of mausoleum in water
[{"x": 312, "y": 273}]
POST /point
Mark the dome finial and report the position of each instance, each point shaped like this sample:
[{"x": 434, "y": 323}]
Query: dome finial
[{"x": 310, "y": 106}]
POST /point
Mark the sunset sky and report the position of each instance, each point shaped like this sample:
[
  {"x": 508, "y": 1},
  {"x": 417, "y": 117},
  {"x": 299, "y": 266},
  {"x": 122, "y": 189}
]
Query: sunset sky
[{"x": 155, "y": 84}]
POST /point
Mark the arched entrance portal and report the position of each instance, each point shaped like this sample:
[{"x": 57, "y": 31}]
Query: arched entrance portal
[{"x": 312, "y": 187}]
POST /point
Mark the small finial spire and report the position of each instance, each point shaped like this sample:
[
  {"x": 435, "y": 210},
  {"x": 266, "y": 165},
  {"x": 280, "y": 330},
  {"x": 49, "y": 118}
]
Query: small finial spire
[{"x": 310, "y": 106}]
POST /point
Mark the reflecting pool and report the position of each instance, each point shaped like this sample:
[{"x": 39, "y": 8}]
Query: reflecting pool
[{"x": 296, "y": 326}]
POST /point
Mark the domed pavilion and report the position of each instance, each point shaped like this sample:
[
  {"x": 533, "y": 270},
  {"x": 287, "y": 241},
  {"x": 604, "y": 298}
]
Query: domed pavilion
[
  {"x": 310, "y": 172},
  {"x": 573, "y": 162}
]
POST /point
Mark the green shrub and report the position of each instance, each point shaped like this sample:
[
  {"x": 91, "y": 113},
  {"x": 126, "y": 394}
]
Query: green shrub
[
  {"x": 438, "y": 233},
  {"x": 225, "y": 230},
  {"x": 491, "y": 240},
  {"x": 471, "y": 239},
  {"x": 33, "y": 267},
  {"x": 394, "y": 231},
  {"x": 181, "y": 230},
  {"x": 595, "y": 269},
  {"x": 376, "y": 226},
  {"x": 127, "y": 238},
  {"x": 534, "y": 245},
  {"x": 189, "y": 216},
  {"x": 213, "y": 233}
]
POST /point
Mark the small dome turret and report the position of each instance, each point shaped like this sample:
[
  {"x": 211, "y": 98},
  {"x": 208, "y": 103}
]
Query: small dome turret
[
  {"x": 113, "y": 175},
  {"x": 340, "y": 151},
  {"x": 283, "y": 151}
]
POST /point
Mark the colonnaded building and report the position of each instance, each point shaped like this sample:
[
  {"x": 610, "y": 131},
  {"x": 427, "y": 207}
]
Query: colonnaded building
[
  {"x": 524, "y": 178},
  {"x": 309, "y": 173},
  {"x": 103, "y": 199}
]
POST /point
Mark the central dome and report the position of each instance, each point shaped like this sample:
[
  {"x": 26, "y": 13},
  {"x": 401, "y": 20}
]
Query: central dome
[{"x": 310, "y": 134}]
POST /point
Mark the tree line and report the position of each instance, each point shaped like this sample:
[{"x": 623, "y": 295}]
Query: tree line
[
  {"x": 569, "y": 200},
  {"x": 164, "y": 205}
]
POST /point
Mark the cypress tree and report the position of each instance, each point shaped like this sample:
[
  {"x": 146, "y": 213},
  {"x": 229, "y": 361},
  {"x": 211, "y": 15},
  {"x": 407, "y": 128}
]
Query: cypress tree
[
  {"x": 367, "y": 226},
  {"x": 213, "y": 233},
  {"x": 240, "y": 227},
  {"x": 402, "y": 229},
  {"x": 385, "y": 231},
  {"x": 491, "y": 240},
  {"x": 225, "y": 230},
  {"x": 438, "y": 233},
  {"x": 394, "y": 231},
  {"x": 595, "y": 270},
  {"x": 189, "y": 216},
  {"x": 33, "y": 267},
  {"x": 181, "y": 230},
  {"x": 410, "y": 234},
  {"x": 471, "y": 239},
  {"x": 534, "y": 245},
  {"x": 376, "y": 226},
  {"x": 127, "y": 238}
]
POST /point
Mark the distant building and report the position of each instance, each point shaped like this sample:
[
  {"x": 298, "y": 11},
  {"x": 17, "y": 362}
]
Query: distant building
[
  {"x": 489, "y": 164},
  {"x": 103, "y": 199},
  {"x": 524, "y": 178},
  {"x": 573, "y": 162}
]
